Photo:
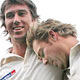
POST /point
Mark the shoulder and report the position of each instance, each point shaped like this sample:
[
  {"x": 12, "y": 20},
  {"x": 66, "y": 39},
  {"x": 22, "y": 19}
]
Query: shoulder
[{"x": 44, "y": 72}]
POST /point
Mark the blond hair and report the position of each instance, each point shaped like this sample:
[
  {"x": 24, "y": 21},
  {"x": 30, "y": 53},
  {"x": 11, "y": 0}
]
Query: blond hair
[{"x": 42, "y": 31}]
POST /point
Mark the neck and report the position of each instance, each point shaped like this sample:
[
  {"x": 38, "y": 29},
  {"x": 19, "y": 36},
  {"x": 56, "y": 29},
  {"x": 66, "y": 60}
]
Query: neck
[
  {"x": 19, "y": 47},
  {"x": 70, "y": 42}
]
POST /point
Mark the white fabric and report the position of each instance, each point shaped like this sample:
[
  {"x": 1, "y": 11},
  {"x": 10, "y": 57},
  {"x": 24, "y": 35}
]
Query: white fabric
[
  {"x": 29, "y": 68},
  {"x": 75, "y": 63}
]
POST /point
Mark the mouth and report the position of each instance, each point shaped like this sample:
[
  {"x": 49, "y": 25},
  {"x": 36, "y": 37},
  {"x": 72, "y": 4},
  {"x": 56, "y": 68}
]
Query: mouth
[{"x": 18, "y": 28}]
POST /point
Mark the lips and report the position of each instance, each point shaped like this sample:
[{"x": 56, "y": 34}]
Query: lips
[{"x": 18, "y": 28}]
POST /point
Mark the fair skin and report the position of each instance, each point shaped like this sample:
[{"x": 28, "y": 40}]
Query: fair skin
[
  {"x": 17, "y": 31},
  {"x": 56, "y": 46}
]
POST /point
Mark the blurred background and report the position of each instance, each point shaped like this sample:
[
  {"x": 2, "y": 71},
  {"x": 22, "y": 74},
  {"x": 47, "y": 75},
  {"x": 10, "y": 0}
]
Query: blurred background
[{"x": 66, "y": 11}]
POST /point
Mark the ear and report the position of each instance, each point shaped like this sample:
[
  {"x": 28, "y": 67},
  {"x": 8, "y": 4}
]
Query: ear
[{"x": 53, "y": 35}]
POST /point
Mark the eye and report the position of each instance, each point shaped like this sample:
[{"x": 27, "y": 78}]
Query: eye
[
  {"x": 41, "y": 53},
  {"x": 22, "y": 13},
  {"x": 10, "y": 15}
]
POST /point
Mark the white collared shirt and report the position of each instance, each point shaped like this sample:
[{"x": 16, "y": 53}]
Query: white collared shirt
[
  {"x": 14, "y": 67},
  {"x": 75, "y": 62}
]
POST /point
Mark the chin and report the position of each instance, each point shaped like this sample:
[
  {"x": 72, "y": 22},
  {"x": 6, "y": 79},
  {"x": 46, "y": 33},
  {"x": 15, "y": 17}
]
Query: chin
[{"x": 20, "y": 38}]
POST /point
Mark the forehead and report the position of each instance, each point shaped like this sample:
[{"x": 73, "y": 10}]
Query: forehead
[
  {"x": 39, "y": 43},
  {"x": 16, "y": 7}
]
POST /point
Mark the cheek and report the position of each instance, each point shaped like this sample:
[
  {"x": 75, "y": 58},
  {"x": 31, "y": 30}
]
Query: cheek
[
  {"x": 49, "y": 51},
  {"x": 8, "y": 28},
  {"x": 8, "y": 23},
  {"x": 27, "y": 23},
  {"x": 28, "y": 19}
]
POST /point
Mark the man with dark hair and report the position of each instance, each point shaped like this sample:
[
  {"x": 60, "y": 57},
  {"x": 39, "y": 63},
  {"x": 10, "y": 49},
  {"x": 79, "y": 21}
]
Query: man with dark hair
[
  {"x": 54, "y": 42},
  {"x": 17, "y": 16}
]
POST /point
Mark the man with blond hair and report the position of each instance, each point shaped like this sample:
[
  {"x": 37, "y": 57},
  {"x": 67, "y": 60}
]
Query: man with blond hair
[{"x": 56, "y": 43}]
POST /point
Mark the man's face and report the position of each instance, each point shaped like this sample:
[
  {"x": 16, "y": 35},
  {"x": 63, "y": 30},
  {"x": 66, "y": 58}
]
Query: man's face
[
  {"x": 44, "y": 47},
  {"x": 18, "y": 20},
  {"x": 51, "y": 52}
]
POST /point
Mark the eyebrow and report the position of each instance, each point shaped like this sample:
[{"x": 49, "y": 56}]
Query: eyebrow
[{"x": 21, "y": 10}]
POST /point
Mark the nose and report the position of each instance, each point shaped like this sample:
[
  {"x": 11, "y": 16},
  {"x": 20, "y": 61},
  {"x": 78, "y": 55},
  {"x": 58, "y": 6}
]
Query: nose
[{"x": 16, "y": 20}]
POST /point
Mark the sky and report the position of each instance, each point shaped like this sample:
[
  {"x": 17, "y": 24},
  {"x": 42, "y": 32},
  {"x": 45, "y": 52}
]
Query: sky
[{"x": 66, "y": 11}]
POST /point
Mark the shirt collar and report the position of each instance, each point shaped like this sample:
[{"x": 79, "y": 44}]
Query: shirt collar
[
  {"x": 9, "y": 57},
  {"x": 74, "y": 53}
]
